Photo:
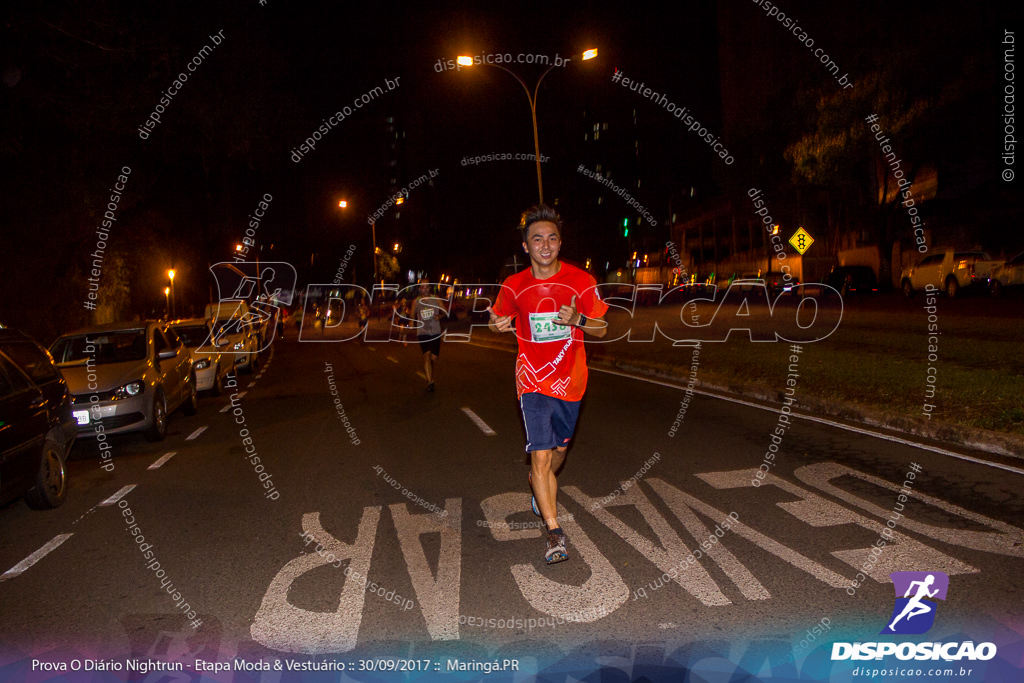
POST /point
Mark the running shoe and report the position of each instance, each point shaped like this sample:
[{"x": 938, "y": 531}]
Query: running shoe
[
  {"x": 430, "y": 386},
  {"x": 556, "y": 548},
  {"x": 533, "y": 499}
]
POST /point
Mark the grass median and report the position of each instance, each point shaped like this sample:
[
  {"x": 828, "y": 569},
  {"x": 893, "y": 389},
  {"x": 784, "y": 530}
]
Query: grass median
[
  {"x": 874, "y": 365},
  {"x": 875, "y": 361}
]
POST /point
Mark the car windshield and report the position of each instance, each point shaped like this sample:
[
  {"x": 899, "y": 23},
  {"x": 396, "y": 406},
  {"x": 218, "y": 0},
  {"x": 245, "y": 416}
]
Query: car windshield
[
  {"x": 228, "y": 327},
  {"x": 102, "y": 347},
  {"x": 193, "y": 335}
]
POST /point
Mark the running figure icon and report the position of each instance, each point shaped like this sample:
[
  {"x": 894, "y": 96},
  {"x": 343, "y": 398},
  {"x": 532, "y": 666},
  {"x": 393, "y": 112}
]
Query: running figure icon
[
  {"x": 916, "y": 596},
  {"x": 915, "y": 606}
]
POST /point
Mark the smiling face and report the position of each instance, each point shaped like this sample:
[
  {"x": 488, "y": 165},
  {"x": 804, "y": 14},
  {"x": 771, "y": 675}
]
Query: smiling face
[{"x": 543, "y": 241}]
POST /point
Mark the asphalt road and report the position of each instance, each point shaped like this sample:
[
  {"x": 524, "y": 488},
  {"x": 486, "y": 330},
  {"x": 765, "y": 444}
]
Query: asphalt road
[{"x": 425, "y": 495}]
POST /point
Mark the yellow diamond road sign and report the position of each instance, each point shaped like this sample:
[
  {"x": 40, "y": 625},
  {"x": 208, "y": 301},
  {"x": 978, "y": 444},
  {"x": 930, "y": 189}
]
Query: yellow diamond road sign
[{"x": 801, "y": 240}]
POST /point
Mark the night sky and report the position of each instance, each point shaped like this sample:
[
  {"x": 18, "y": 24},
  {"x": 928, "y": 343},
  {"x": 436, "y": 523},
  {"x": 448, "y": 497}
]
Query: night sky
[{"x": 80, "y": 79}]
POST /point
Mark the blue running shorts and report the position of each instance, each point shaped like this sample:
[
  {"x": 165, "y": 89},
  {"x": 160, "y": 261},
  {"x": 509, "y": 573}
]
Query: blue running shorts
[{"x": 550, "y": 422}]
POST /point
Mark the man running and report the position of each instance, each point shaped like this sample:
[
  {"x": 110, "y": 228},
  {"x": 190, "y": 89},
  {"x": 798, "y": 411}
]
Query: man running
[
  {"x": 427, "y": 309},
  {"x": 549, "y": 305}
]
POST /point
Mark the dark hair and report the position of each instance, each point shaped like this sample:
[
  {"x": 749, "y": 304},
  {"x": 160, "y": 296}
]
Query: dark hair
[{"x": 537, "y": 214}]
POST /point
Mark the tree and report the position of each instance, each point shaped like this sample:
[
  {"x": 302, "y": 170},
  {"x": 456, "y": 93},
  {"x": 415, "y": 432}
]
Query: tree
[
  {"x": 114, "y": 301},
  {"x": 843, "y": 153},
  {"x": 387, "y": 266}
]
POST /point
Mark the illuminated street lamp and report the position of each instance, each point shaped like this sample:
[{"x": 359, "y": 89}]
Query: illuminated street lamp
[
  {"x": 170, "y": 274},
  {"x": 241, "y": 250},
  {"x": 468, "y": 61}
]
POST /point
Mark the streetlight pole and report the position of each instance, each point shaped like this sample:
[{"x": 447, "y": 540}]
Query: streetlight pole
[
  {"x": 343, "y": 204},
  {"x": 373, "y": 229},
  {"x": 532, "y": 98},
  {"x": 240, "y": 248}
]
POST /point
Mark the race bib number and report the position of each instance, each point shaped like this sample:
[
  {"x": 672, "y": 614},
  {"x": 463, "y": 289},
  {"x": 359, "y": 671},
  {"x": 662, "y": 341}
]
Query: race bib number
[
  {"x": 426, "y": 313},
  {"x": 544, "y": 329}
]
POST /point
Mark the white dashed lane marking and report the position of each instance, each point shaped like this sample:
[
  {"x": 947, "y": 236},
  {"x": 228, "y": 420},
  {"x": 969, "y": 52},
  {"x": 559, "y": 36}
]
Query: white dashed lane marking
[
  {"x": 228, "y": 406},
  {"x": 125, "y": 490},
  {"x": 35, "y": 557},
  {"x": 484, "y": 427},
  {"x": 32, "y": 559},
  {"x": 164, "y": 458},
  {"x": 195, "y": 435}
]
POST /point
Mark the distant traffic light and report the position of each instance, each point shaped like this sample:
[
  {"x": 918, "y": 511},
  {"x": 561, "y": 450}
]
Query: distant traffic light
[{"x": 625, "y": 227}]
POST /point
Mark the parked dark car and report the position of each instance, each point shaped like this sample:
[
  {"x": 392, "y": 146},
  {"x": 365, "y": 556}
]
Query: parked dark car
[
  {"x": 37, "y": 428},
  {"x": 852, "y": 280},
  {"x": 775, "y": 282},
  {"x": 779, "y": 284}
]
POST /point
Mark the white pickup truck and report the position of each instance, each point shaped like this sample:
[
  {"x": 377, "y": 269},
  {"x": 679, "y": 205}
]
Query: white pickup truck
[{"x": 950, "y": 271}]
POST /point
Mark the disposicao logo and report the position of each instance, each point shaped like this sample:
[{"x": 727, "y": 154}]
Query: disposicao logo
[{"x": 914, "y": 614}]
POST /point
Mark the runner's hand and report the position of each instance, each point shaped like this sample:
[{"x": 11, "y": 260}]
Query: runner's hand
[
  {"x": 568, "y": 315},
  {"x": 503, "y": 323}
]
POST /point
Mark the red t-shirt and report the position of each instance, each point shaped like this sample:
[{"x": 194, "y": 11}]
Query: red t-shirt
[{"x": 551, "y": 358}]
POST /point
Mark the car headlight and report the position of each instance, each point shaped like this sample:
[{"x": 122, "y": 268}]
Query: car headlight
[
  {"x": 203, "y": 364},
  {"x": 128, "y": 390},
  {"x": 239, "y": 346}
]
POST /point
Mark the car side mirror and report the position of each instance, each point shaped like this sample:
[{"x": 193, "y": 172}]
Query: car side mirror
[{"x": 166, "y": 354}]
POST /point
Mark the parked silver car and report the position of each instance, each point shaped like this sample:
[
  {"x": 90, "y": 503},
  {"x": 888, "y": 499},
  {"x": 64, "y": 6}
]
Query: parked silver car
[
  {"x": 210, "y": 364},
  {"x": 126, "y": 377},
  {"x": 235, "y": 334}
]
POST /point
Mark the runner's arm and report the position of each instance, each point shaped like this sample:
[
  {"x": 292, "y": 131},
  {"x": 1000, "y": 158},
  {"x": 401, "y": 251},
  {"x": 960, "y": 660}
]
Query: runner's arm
[
  {"x": 570, "y": 315},
  {"x": 595, "y": 327},
  {"x": 498, "y": 324}
]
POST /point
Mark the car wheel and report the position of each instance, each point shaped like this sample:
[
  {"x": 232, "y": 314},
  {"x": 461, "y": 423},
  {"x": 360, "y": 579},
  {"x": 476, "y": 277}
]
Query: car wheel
[
  {"x": 952, "y": 287},
  {"x": 192, "y": 402},
  {"x": 995, "y": 288},
  {"x": 218, "y": 382},
  {"x": 908, "y": 289},
  {"x": 157, "y": 429},
  {"x": 51, "y": 481}
]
